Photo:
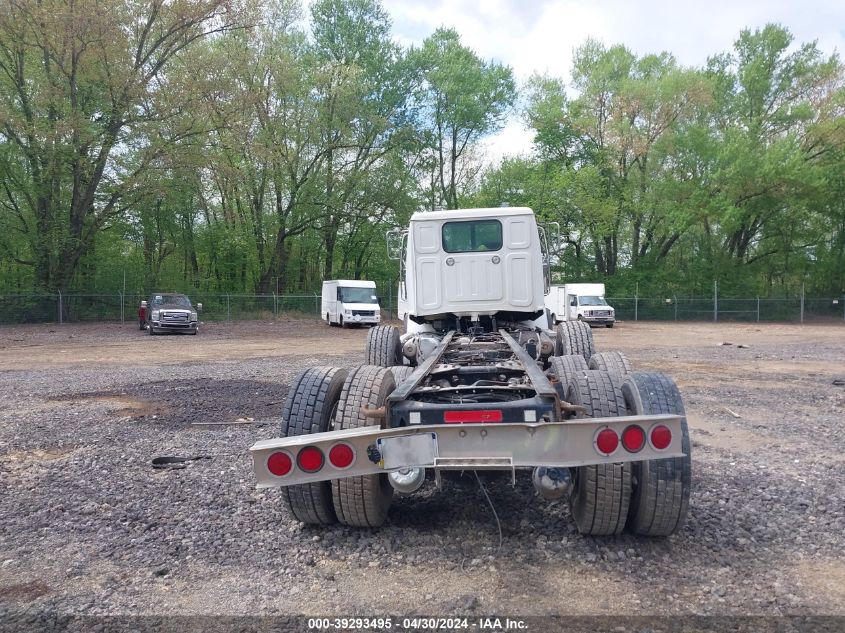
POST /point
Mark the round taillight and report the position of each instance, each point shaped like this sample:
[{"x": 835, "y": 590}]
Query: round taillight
[
  {"x": 633, "y": 438},
  {"x": 661, "y": 437},
  {"x": 607, "y": 441},
  {"x": 341, "y": 456},
  {"x": 310, "y": 459},
  {"x": 279, "y": 464}
]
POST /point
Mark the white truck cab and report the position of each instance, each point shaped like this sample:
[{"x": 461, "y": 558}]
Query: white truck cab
[
  {"x": 471, "y": 263},
  {"x": 580, "y": 302},
  {"x": 350, "y": 302}
]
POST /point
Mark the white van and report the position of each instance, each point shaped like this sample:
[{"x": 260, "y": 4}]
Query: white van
[
  {"x": 350, "y": 302},
  {"x": 582, "y": 302}
]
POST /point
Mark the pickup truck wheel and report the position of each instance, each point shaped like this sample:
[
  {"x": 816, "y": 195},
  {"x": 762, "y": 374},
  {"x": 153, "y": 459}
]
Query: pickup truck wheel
[
  {"x": 383, "y": 349},
  {"x": 609, "y": 324},
  {"x": 661, "y": 487},
  {"x": 576, "y": 338},
  {"x": 614, "y": 362},
  {"x": 567, "y": 367},
  {"x": 310, "y": 408},
  {"x": 151, "y": 330},
  {"x": 601, "y": 493},
  {"x": 362, "y": 501}
]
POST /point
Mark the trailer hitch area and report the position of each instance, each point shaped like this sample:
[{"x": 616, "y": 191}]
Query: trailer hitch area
[{"x": 376, "y": 412}]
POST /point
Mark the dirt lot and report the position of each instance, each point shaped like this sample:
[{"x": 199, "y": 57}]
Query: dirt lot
[{"x": 88, "y": 527}]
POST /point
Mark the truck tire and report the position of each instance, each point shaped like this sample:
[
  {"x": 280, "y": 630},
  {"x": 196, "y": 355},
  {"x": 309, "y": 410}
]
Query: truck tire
[
  {"x": 576, "y": 338},
  {"x": 384, "y": 349},
  {"x": 401, "y": 372},
  {"x": 613, "y": 362},
  {"x": 310, "y": 408},
  {"x": 661, "y": 487},
  {"x": 601, "y": 493},
  {"x": 566, "y": 367},
  {"x": 609, "y": 324},
  {"x": 362, "y": 501}
]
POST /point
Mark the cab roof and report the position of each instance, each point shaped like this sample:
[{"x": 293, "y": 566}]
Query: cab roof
[{"x": 470, "y": 214}]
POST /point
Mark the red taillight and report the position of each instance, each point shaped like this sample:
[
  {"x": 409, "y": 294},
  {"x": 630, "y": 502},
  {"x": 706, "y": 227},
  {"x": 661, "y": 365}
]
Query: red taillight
[
  {"x": 341, "y": 455},
  {"x": 279, "y": 464},
  {"x": 310, "y": 459},
  {"x": 607, "y": 441},
  {"x": 633, "y": 438},
  {"x": 469, "y": 417},
  {"x": 661, "y": 437}
]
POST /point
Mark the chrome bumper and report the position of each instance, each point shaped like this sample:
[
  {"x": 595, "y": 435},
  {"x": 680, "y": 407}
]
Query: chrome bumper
[{"x": 492, "y": 446}]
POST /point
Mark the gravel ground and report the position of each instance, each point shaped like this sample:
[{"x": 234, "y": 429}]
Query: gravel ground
[{"x": 87, "y": 526}]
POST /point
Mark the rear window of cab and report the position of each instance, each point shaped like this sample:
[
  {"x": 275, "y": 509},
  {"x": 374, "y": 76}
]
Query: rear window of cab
[{"x": 472, "y": 236}]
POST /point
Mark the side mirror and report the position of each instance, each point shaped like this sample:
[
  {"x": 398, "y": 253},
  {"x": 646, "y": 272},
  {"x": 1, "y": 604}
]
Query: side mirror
[
  {"x": 573, "y": 302},
  {"x": 199, "y": 307}
]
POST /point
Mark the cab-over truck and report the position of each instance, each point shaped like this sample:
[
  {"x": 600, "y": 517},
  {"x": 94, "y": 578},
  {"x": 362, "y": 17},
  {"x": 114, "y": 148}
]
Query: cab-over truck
[{"x": 481, "y": 379}]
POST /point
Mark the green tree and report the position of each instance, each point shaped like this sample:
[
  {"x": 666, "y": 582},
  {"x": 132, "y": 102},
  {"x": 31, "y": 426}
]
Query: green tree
[
  {"x": 462, "y": 99},
  {"x": 81, "y": 103}
]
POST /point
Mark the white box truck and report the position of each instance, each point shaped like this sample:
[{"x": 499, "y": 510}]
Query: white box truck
[
  {"x": 581, "y": 302},
  {"x": 350, "y": 302}
]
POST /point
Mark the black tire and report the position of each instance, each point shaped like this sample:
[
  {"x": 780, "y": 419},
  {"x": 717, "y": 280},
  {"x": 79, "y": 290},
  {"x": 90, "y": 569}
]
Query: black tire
[
  {"x": 329, "y": 319},
  {"x": 613, "y": 362},
  {"x": 661, "y": 487},
  {"x": 384, "y": 349},
  {"x": 576, "y": 338},
  {"x": 609, "y": 324},
  {"x": 340, "y": 322},
  {"x": 310, "y": 407},
  {"x": 362, "y": 501},
  {"x": 601, "y": 493},
  {"x": 151, "y": 330},
  {"x": 401, "y": 372},
  {"x": 566, "y": 367}
]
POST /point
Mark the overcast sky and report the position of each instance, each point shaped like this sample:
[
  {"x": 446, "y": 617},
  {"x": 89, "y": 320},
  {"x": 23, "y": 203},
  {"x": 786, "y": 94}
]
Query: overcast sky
[{"x": 540, "y": 35}]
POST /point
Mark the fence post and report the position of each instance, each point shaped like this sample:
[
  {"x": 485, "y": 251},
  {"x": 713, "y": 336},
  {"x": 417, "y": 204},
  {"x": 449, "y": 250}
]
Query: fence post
[
  {"x": 228, "y": 310},
  {"x": 60, "y": 307},
  {"x": 636, "y": 301},
  {"x": 802, "y": 302},
  {"x": 675, "y": 300},
  {"x": 317, "y": 303},
  {"x": 122, "y": 305},
  {"x": 715, "y": 300},
  {"x": 843, "y": 307},
  {"x": 758, "y": 309},
  {"x": 275, "y": 306}
]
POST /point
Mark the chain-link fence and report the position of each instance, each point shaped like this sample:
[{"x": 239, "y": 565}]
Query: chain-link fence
[
  {"x": 62, "y": 308},
  {"x": 758, "y": 309},
  {"x": 74, "y": 308}
]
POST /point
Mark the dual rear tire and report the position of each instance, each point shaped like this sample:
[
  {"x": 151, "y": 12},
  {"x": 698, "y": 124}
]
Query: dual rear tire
[
  {"x": 325, "y": 399},
  {"x": 651, "y": 497}
]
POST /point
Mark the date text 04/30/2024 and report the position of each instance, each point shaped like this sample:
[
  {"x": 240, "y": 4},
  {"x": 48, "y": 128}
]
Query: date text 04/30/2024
[{"x": 417, "y": 624}]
